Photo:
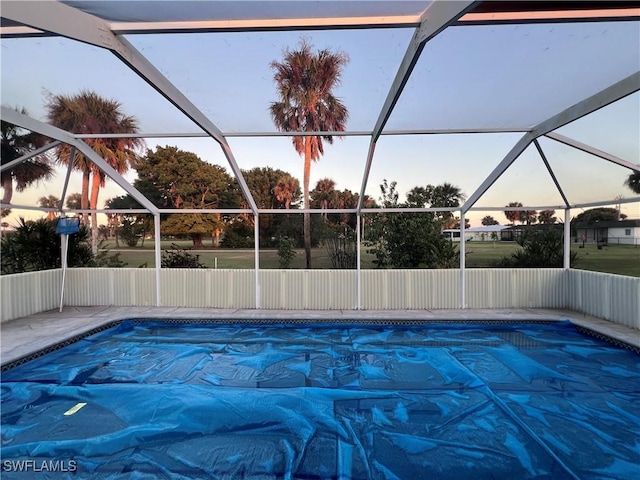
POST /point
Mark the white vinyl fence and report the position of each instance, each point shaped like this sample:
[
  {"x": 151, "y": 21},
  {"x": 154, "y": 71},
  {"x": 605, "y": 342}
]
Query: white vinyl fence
[
  {"x": 28, "y": 293},
  {"x": 612, "y": 297}
]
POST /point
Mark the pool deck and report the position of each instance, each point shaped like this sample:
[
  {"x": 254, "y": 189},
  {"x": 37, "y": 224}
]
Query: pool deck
[{"x": 23, "y": 336}]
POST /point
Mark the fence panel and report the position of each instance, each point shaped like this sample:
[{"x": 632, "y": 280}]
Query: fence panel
[
  {"x": 410, "y": 289},
  {"x": 613, "y": 297},
  {"x": 308, "y": 289},
  {"x": 24, "y": 294}
]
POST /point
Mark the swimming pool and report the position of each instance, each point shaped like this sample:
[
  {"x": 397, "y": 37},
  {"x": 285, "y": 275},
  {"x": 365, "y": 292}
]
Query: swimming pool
[{"x": 157, "y": 399}]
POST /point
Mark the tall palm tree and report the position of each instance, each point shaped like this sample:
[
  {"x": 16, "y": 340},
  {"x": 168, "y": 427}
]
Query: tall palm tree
[
  {"x": 633, "y": 182},
  {"x": 88, "y": 112},
  {"x": 304, "y": 82},
  {"x": 286, "y": 189},
  {"x": 16, "y": 142}
]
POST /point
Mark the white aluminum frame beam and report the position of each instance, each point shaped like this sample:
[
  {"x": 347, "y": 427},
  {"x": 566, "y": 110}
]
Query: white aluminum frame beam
[
  {"x": 266, "y": 24},
  {"x": 58, "y": 18},
  {"x": 550, "y": 170},
  {"x": 65, "y": 185},
  {"x": 27, "y": 156},
  {"x": 593, "y": 151},
  {"x": 615, "y": 92},
  {"x": 50, "y": 131},
  {"x": 352, "y": 133},
  {"x": 614, "y": 201},
  {"x": 438, "y": 16},
  {"x": 550, "y": 16},
  {"x": 511, "y": 157}
]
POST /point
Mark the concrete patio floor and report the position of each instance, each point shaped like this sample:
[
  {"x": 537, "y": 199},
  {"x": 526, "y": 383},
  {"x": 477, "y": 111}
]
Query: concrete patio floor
[{"x": 23, "y": 336}]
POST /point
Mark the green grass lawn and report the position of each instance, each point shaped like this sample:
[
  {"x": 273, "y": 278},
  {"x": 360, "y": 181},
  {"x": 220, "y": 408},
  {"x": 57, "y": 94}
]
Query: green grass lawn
[{"x": 618, "y": 259}]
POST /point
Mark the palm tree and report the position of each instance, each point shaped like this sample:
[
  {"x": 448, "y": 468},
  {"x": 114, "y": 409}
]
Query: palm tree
[
  {"x": 286, "y": 190},
  {"x": 633, "y": 182},
  {"x": 88, "y": 112},
  {"x": 324, "y": 194},
  {"x": 513, "y": 215},
  {"x": 16, "y": 142},
  {"x": 528, "y": 217},
  {"x": 304, "y": 81},
  {"x": 50, "y": 201},
  {"x": 74, "y": 201},
  {"x": 547, "y": 216},
  {"x": 446, "y": 195}
]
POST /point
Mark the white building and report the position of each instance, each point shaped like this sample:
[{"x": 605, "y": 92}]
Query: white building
[
  {"x": 621, "y": 232},
  {"x": 487, "y": 233}
]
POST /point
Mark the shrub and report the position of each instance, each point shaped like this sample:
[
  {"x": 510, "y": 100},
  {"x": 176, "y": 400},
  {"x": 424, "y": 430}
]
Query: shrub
[
  {"x": 286, "y": 253},
  {"x": 539, "y": 249},
  {"x": 35, "y": 245},
  {"x": 342, "y": 249},
  {"x": 179, "y": 258}
]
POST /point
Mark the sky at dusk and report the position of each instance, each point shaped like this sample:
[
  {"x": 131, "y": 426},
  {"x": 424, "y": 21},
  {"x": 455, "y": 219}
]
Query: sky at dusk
[{"x": 467, "y": 77}]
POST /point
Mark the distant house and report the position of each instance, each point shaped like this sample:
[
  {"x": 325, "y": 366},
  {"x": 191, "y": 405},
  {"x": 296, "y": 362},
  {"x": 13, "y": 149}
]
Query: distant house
[
  {"x": 479, "y": 234},
  {"x": 621, "y": 232}
]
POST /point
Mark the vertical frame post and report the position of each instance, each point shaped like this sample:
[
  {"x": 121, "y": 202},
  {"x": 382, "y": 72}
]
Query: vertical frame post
[
  {"x": 566, "y": 258},
  {"x": 358, "y": 272},
  {"x": 256, "y": 237},
  {"x": 158, "y": 254},
  {"x": 463, "y": 282}
]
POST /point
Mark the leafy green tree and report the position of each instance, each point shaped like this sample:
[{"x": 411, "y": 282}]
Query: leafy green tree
[
  {"x": 268, "y": 185},
  {"x": 547, "y": 217},
  {"x": 271, "y": 188},
  {"x": 88, "y": 112},
  {"x": 128, "y": 226},
  {"x": 539, "y": 249},
  {"x": 602, "y": 214},
  {"x": 181, "y": 179},
  {"x": 238, "y": 234},
  {"x": 489, "y": 220},
  {"x": 633, "y": 182},
  {"x": 305, "y": 81},
  {"x": 14, "y": 143},
  {"x": 409, "y": 240}
]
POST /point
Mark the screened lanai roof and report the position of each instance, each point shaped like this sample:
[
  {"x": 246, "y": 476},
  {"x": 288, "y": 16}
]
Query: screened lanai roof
[{"x": 534, "y": 102}]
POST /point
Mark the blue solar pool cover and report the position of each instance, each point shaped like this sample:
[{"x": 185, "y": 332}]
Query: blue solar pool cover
[{"x": 326, "y": 402}]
